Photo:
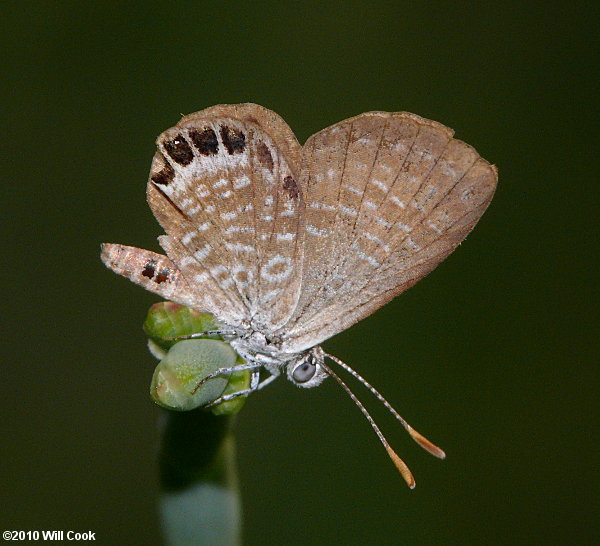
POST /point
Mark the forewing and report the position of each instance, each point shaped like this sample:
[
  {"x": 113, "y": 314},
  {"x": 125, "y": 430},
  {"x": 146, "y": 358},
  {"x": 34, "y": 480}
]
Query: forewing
[
  {"x": 389, "y": 196},
  {"x": 223, "y": 187}
]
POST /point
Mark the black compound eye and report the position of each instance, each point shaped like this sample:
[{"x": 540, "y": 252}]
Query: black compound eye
[{"x": 304, "y": 372}]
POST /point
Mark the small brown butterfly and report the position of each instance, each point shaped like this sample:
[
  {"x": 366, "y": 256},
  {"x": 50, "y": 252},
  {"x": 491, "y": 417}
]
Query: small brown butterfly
[{"x": 287, "y": 245}]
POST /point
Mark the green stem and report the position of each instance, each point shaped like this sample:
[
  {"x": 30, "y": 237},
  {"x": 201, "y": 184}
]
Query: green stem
[{"x": 200, "y": 501}]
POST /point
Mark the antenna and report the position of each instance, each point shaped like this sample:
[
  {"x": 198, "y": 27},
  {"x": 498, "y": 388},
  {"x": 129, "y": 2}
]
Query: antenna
[
  {"x": 419, "y": 438},
  {"x": 400, "y": 464}
]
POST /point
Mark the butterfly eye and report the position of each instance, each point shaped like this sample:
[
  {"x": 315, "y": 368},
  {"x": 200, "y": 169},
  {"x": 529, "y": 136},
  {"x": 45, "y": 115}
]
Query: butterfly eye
[{"x": 304, "y": 372}]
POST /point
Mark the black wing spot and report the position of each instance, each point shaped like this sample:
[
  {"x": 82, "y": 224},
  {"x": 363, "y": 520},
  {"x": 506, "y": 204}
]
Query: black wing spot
[
  {"x": 234, "y": 140},
  {"x": 264, "y": 156},
  {"x": 179, "y": 150},
  {"x": 206, "y": 141},
  {"x": 162, "y": 276},
  {"x": 149, "y": 269},
  {"x": 165, "y": 176},
  {"x": 289, "y": 184}
]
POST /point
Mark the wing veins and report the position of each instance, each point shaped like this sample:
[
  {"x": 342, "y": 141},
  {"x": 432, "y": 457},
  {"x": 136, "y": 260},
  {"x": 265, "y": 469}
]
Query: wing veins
[
  {"x": 382, "y": 267},
  {"x": 432, "y": 259}
]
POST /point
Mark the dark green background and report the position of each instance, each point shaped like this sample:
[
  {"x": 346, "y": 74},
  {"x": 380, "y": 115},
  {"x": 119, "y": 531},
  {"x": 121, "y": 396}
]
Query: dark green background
[{"x": 493, "y": 356}]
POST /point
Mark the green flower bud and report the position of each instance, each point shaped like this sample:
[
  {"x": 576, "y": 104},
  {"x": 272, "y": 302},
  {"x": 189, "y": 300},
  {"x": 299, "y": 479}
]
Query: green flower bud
[
  {"x": 180, "y": 370},
  {"x": 171, "y": 320},
  {"x": 238, "y": 381},
  {"x": 184, "y": 366}
]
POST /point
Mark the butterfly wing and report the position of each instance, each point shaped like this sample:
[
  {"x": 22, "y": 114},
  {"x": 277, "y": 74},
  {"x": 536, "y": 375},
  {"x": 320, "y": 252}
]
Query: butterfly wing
[
  {"x": 388, "y": 197},
  {"x": 153, "y": 271},
  {"x": 223, "y": 186}
]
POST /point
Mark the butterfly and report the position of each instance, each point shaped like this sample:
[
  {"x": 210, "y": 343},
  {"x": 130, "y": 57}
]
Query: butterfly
[{"x": 288, "y": 245}]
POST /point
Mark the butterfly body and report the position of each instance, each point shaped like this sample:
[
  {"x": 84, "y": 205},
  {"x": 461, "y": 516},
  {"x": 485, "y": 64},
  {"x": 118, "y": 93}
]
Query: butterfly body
[
  {"x": 252, "y": 348},
  {"x": 287, "y": 245}
]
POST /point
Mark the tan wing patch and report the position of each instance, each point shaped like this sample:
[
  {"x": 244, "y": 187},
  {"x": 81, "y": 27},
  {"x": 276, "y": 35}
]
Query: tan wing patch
[
  {"x": 222, "y": 185},
  {"x": 303, "y": 242},
  {"x": 386, "y": 217}
]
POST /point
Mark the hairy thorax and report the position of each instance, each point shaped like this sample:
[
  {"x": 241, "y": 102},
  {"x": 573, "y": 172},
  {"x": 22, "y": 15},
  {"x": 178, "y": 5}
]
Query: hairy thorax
[{"x": 257, "y": 347}]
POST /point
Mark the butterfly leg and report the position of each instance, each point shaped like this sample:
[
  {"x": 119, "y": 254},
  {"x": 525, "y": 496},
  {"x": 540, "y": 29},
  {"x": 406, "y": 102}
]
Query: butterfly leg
[
  {"x": 255, "y": 385},
  {"x": 268, "y": 380},
  {"x": 222, "y": 371},
  {"x": 202, "y": 334}
]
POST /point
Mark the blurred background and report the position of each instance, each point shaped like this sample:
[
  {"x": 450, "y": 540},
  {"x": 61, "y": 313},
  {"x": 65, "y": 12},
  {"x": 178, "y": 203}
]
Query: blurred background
[{"x": 493, "y": 356}]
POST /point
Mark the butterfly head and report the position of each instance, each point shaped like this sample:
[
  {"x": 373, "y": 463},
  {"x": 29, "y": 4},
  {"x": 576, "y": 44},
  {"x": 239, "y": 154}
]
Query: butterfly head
[{"x": 307, "y": 370}]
